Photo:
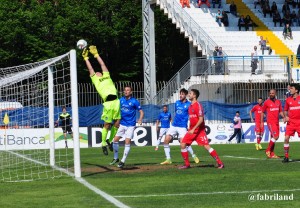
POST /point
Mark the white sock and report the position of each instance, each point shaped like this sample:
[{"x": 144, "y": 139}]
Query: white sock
[
  {"x": 167, "y": 151},
  {"x": 158, "y": 141},
  {"x": 189, "y": 148},
  {"x": 126, "y": 152},
  {"x": 116, "y": 150}
]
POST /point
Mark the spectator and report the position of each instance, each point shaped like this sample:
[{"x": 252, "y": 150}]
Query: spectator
[
  {"x": 298, "y": 16},
  {"x": 200, "y": 2},
  {"x": 255, "y": 3},
  {"x": 185, "y": 3},
  {"x": 249, "y": 22},
  {"x": 215, "y": 56},
  {"x": 242, "y": 23},
  {"x": 298, "y": 54},
  {"x": 263, "y": 45},
  {"x": 224, "y": 19},
  {"x": 287, "y": 18},
  {"x": 287, "y": 32},
  {"x": 233, "y": 9},
  {"x": 220, "y": 61},
  {"x": 294, "y": 18},
  {"x": 277, "y": 18},
  {"x": 291, "y": 2},
  {"x": 214, "y": 2},
  {"x": 254, "y": 60},
  {"x": 273, "y": 8},
  {"x": 288, "y": 92},
  {"x": 237, "y": 125},
  {"x": 219, "y": 18},
  {"x": 266, "y": 9},
  {"x": 285, "y": 8}
]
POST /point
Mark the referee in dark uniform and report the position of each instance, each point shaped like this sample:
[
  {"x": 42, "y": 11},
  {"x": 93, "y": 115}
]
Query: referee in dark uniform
[{"x": 65, "y": 119}]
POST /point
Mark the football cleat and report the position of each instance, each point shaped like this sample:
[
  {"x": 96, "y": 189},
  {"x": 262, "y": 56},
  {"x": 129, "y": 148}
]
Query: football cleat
[
  {"x": 268, "y": 153},
  {"x": 104, "y": 149},
  {"x": 166, "y": 162},
  {"x": 285, "y": 160},
  {"x": 273, "y": 156},
  {"x": 259, "y": 146},
  {"x": 221, "y": 166},
  {"x": 110, "y": 145},
  {"x": 121, "y": 164},
  {"x": 156, "y": 148},
  {"x": 184, "y": 167},
  {"x": 114, "y": 161},
  {"x": 256, "y": 146},
  {"x": 196, "y": 159}
]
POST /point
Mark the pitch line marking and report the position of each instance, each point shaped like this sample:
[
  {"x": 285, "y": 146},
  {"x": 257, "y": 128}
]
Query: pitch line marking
[
  {"x": 203, "y": 193},
  {"x": 106, "y": 196},
  {"x": 252, "y": 158}
]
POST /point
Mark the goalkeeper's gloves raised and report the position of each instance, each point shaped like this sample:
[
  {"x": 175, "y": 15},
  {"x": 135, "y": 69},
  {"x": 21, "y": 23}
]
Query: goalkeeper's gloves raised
[
  {"x": 93, "y": 50},
  {"x": 85, "y": 54}
]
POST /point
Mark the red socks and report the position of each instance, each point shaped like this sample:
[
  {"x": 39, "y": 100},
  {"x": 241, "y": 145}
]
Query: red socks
[
  {"x": 286, "y": 150},
  {"x": 185, "y": 156}
]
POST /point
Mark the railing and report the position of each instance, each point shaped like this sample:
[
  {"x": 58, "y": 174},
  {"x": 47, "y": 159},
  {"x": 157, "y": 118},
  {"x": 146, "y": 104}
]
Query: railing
[
  {"x": 188, "y": 24},
  {"x": 216, "y": 65}
]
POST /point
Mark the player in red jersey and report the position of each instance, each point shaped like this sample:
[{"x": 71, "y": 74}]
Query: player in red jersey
[
  {"x": 273, "y": 108},
  {"x": 196, "y": 131},
  {"x": 292, "y": 117},
  {"x": 259, "y": 131}
]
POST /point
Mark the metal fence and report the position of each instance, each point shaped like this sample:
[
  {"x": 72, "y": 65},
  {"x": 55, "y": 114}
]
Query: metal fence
[{"x": 225, "y": 92}]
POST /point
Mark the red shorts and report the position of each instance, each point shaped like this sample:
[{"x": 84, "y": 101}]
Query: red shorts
[
  {"x": 199, "y": 137},
  {"x": 291, "y": 129},
  {"x": 258, "y": 129},
  {"x": 274, "y": 129}
]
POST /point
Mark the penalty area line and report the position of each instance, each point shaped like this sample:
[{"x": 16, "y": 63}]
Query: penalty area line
[
  {"x": 204, "y": 193},
  {"x": 106, "y": 196}
]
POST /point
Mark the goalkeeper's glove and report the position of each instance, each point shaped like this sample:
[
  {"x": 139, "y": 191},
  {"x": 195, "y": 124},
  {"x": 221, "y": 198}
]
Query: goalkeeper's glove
[
  {"x": 85, "y": 54},
  {"x": 94, "y": 51}
]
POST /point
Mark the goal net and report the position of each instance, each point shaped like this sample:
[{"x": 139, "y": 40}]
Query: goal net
[{"x": 31, "y": 100}]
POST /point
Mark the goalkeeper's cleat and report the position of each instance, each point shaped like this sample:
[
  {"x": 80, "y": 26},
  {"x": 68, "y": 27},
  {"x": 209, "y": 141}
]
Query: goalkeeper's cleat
[
  {"x": 166, "y": 162},
  {"x": 104, "y": 149},
  {"x": 121, "y": 164},
  {"x": 285, "y": 160},
  {"x": 114, "y": 161},
  {"x": 156, "y": 148},
  {"x": 184, "y": 167},
  {"x": 196, "y": 159},
  {"x": 110, "y": 145},
  {"x": 259, "y": 146},
  {"x": 256, "y": 146},
  {"x": 221, "y": 166}
]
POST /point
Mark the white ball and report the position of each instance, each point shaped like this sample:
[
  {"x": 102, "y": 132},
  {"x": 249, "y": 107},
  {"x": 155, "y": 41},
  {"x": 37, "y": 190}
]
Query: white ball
[{"x": 81, "y": 44}]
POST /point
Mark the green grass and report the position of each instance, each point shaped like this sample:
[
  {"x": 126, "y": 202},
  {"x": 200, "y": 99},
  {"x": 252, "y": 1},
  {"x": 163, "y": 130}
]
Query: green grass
[{"x": 153, "y": 185}]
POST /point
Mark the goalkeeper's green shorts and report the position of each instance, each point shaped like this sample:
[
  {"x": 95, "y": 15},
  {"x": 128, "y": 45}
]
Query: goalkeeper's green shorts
[{"x": 111, "y": 111}]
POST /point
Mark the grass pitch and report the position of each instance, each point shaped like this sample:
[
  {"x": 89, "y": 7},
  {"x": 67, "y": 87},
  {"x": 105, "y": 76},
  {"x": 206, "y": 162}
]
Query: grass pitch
[{"x": 247, "y": 179}]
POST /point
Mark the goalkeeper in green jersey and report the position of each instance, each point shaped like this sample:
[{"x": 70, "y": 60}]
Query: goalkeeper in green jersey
[{"x": 108, "y": 92}]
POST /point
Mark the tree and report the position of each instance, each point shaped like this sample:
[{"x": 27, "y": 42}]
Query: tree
[{"x": 35, "y": 30}]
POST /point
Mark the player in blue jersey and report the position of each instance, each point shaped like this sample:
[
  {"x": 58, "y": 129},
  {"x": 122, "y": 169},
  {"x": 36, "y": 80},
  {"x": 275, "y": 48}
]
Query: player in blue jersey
[
  {"x": 179, "y": 126},
  {"x": 164, "y": 118},
  {"x": 129, "y": 106}
]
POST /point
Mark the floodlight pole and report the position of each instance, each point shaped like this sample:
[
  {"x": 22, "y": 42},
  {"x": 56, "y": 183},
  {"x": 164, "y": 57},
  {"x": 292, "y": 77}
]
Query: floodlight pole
[{"x": 149, "y": 51}]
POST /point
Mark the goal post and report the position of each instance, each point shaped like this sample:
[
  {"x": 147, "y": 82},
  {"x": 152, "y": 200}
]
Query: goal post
[
  {"x": 75, "y": 120},
  {"x": 33, "y": 95}
]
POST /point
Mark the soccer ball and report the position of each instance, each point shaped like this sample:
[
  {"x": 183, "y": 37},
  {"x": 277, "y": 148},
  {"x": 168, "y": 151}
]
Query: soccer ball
[{"x": 81, "y": 44}]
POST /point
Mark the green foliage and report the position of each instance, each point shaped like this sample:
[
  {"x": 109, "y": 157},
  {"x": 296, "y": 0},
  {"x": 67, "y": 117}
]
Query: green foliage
[{"x": 35, "y": 30}]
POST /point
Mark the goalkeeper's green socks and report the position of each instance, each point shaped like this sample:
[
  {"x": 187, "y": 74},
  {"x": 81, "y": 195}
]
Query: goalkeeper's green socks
[
  {"x": 104, "y": 135},
  {"x": 113, "y": 133}
]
